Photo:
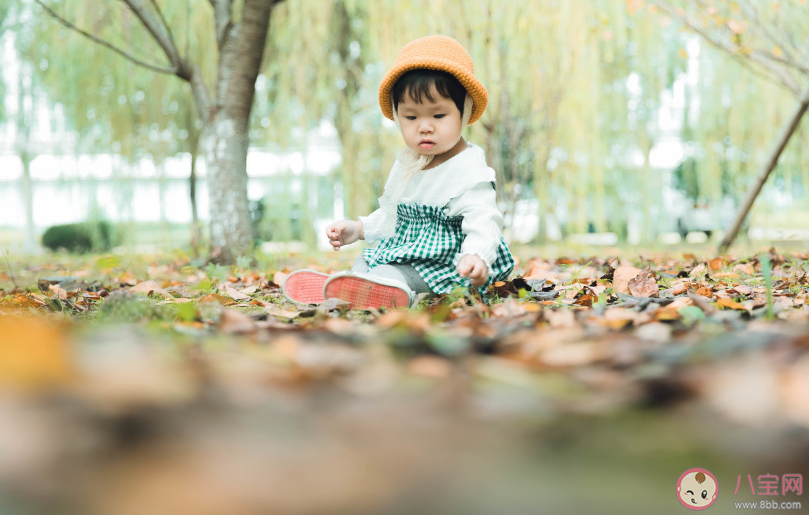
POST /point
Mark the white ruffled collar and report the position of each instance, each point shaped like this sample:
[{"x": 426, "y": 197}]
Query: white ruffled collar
[{"x": 443, "y": 182}]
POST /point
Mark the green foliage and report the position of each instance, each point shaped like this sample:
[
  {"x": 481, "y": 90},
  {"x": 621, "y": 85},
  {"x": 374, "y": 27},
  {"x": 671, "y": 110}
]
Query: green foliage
[
  {"x": 81, "y": 237},
  {"x": 217, "y": 271}
]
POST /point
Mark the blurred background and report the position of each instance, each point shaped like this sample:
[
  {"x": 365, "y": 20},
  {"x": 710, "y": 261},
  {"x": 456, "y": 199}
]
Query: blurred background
[{"x": 608, "y": 122}]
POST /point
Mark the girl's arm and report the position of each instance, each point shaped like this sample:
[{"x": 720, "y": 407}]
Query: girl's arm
[
  {"x": 372, "y": 226},
  {"x": 482, "y": 223}
]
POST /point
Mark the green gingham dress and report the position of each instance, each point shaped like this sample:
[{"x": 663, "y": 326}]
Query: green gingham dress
[{"x": 429, "y": 240}]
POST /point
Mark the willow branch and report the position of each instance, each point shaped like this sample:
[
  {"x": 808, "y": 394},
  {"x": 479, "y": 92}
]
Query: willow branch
[
  {"x": 779, "y": 73},
  {"x": 107, "y": 44},
  {"x": 157, "y": 29}
]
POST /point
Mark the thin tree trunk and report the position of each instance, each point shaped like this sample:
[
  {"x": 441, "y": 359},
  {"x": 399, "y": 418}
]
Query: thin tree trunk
[{"x": 767, "y": 167}]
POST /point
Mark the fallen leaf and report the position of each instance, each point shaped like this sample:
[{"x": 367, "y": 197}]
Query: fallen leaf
[
  {"x": 644, "y": 285},
  {"x": 213, "y": 297},
  {"x": 742, "y": 289},
  {"x": 622, "y": 276},
  {"x": 58, "y": 292},
  {"x": 677, "y": 290},
  {"x": 717, "y": 264},
  {"x": 745, "y": 268},
  {"x": 705, "y": 292},
  {"x": 730, "y": 303},
  {"x": 150, "y": 287},
  {"x": 235, "y": 294},
  {"x": 277, "y": 312},
  {"x": 697, "y": 270},
  {"x": 27, "y": 301}
]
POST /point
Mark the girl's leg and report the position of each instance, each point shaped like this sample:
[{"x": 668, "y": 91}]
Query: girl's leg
[{"x": 396, "y": 271}]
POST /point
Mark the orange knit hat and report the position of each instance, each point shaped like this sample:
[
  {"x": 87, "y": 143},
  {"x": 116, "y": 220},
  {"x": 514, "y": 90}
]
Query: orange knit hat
[{"x": 435, "y": 53}]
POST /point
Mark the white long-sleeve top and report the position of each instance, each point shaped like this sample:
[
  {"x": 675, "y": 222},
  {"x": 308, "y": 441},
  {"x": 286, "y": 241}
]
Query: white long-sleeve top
[{"x": 463, "y": 185}]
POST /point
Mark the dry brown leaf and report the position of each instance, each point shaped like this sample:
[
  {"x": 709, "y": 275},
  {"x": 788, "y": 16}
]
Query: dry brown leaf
[
  {"x": 213, "y": 297},
  {"x": 705, "y": 292},
  {"x": 729, "y": 303},
  {"x": 717, "y": 264},
  {"x": 277, "y": 312},
  {"x": 622, "y": 276},
  {"x": 742, "y": 289},
  {"x": 234, "y": 293},
  {"x": 677, "y": 290},
  {"x": 644, "y": 285},
  {"x": 150, "y": 287},
  {"x": 697, "y": 270},
  {"x": 745, "y": 268},
  {"x": 58, "y": 292},
  {"x": 27, "y": 301}
]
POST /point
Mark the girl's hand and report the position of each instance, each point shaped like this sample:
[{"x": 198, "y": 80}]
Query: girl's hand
[
  {"x": 473, "y": 267},
  {"x": 343, "y": 232}
]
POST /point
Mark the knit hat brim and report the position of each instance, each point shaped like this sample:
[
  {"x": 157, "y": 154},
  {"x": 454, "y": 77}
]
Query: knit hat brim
[{"x": 467, "y": 80}]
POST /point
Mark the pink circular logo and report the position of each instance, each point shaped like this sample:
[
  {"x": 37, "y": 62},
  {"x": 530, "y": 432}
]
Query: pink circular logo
[{"x": 697, "y": 489}]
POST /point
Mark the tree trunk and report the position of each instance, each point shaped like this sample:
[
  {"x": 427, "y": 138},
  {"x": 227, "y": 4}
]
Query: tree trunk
[
  {"x": 766, "y": 168},
  {"x": 226, "y": 137},
  {"x": 224, "y": 144}
]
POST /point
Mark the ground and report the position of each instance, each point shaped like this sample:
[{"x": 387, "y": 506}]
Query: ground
[{"x": 157, "y": 384}]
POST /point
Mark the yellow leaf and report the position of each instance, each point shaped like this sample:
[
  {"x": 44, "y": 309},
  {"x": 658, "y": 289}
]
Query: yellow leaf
[{"x": 777, "y": 52}]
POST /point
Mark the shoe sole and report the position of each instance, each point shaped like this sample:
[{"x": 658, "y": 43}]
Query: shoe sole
[
  {"x": 365, "y": 293},
  {"x": 305, "y": 286}
]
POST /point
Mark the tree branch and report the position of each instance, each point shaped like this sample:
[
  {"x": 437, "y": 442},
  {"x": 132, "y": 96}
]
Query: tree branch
[
  {"x": 222, "y": 20},
  {"x": 157, "y": 29},
  {"x": 752, "y": 12},
  {"x": 163, "y": 19},
  {"x": 780, "y": 74},
  {"x": 199, "y": 90},
  {"x": 95, "y": 39}
]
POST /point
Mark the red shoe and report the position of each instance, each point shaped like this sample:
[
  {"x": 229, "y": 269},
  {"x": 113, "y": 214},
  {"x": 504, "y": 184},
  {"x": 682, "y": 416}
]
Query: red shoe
[
  {"x": 364, "y": 291},
  {"x": 305, "y": 286}
]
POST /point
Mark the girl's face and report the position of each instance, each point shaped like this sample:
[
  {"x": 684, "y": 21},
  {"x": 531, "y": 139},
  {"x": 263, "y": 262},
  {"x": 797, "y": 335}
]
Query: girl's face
[{"x": 430, "y": 128}]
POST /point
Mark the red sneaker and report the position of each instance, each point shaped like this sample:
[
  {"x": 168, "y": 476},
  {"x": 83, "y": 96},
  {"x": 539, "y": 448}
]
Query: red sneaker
[
  {"x": 364, "y": 291},
  {"x": 305, "y": 286}
]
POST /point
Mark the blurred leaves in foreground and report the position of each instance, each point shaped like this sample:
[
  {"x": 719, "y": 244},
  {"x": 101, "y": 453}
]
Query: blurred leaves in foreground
[{"x": 139, "y": 387}]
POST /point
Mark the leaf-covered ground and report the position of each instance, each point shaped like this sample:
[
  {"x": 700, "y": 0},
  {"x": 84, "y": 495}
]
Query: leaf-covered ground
[{"x": 161, "y": 385}]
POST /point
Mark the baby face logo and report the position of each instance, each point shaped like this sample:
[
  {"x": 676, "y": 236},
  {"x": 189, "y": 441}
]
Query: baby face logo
[{"x": 697, "y": 489}]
